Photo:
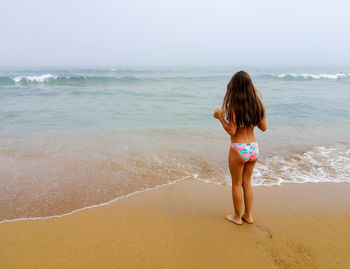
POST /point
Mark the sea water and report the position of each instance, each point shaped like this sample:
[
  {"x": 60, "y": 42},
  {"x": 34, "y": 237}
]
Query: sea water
[{"x": 76, "y": 137}]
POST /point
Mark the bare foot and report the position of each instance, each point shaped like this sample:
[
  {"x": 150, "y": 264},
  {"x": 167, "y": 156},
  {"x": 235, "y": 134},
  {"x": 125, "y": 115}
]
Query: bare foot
[
  {"x": 248, "y": 219},
  {"x": 234, "y": 219}
]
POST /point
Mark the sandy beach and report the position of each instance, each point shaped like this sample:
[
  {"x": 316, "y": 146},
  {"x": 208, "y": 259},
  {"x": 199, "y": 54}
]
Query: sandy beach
[
  {"x": 117, "y": 120},
  {"x": 182, "y": 225}
]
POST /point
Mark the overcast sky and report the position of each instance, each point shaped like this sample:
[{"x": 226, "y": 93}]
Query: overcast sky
[{"x": 177, "y": 32}]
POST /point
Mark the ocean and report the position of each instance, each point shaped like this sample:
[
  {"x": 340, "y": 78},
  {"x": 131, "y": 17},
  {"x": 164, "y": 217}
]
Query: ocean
[{"x": 77, "y": 137}]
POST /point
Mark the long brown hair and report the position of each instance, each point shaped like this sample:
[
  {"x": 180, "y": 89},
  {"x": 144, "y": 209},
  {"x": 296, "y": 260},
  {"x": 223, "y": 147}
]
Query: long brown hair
[{"x": 242, "y": 104}]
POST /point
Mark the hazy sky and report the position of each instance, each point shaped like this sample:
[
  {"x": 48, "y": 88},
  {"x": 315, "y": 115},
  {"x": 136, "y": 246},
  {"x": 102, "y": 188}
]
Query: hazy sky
[{"x": 177, "y": 32}]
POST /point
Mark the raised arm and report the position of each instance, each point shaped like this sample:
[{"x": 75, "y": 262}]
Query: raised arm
[
  {"x": 262, "y": 125},
  {"x": 229, "y": 127}
]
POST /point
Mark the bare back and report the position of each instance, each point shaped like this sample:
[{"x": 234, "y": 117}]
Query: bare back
[
  {"x": 243, "y": 135},
  {"x": 246, "y": 134}
]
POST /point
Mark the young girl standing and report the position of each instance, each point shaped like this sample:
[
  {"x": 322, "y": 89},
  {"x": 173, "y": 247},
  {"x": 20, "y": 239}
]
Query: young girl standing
[{"x": 242, "y": 110}]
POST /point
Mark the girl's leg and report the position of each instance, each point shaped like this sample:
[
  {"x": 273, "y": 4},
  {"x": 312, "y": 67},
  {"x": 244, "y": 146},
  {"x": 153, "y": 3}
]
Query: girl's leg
[
  {"x": 248, "y": 191},
  {"x": 236, "y": 165}
]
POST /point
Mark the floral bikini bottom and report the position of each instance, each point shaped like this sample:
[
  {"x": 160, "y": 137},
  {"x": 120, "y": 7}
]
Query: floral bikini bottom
[{"x": 248, "y": 151}]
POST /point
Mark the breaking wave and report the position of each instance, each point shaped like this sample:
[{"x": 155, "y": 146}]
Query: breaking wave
[
  {"x": 318, "y": 164},
  {"x": 51, "y": 79},
  {"x": 306, "y": 76}
]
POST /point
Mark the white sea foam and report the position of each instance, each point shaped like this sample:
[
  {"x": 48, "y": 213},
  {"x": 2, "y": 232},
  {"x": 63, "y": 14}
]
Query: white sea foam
[
  {"x": 313, "y": 76},
  {"x": 40, "y": 78},
  {"x": 319, "y": 164}
]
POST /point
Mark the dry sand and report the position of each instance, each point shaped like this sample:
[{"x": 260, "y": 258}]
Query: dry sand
[{"x": 183, "y": 226}]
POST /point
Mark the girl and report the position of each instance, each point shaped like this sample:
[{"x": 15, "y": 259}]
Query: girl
[{"x": 242, "y": 110}]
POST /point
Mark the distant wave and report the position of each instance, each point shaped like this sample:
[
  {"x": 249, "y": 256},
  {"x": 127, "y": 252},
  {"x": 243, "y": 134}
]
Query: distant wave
[
  {"x": 41, "y": 78},
  {"x": 124, "y": 77},
  {"x": 307, "y": 76},
  {"x": 64, "y": 80},
  {"x": 79, "y": 80}
]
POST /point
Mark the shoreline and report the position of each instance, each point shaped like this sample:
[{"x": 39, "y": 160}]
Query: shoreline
[
  {"x": 91, "y": 206},
  {"x": 182, "y": 225},
  {"x": 153, "y": 188}
]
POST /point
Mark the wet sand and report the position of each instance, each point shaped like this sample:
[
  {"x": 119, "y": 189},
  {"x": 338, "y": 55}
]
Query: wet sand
[{"x": 182, "y": 225}]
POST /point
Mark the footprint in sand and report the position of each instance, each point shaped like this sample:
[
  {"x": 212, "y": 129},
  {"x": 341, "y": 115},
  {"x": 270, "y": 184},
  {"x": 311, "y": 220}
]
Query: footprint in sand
[{"x": 265, "y": 231}]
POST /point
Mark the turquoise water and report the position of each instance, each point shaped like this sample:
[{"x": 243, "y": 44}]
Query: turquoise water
[
  {"x": 74, "y": 137},
  {"x": 142, "y": 98}
]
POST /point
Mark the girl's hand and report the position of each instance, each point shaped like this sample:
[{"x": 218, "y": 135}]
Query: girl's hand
[{"x": 217, "y": 113}]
